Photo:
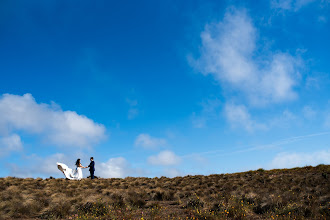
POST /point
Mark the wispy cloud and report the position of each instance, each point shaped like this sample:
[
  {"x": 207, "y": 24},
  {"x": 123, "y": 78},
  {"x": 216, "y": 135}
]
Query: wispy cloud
[
  {"x": 209, "y": 112},
  {"x": 115, "y": 168},
  {"x": 291, "y": 5},
  {"x": 239, "y": 117},
  {"x": 230, "y": 54},
  {"x": 9, "y": 144},
  {"x": 309, "y": 112},
  {"x": 172, "y": 172},
  {"x": 285, "y": 119},
  {"x": 281, "y": 142},
  {"x": 276, "y": 144},
  {"x": 243, "y": 149},
  {"x": 133, "y": 110},
  {"x": 164, "y": 158},
  {"x": 322, "y": 19},
  {"x": 148, "y": 142},
  {"x": 294, "y": 159},
  {"x": 55, "y": 126},
  {"x": 327, "y": 120},
  {"x": 35, "y": 165},
  {"x": 132, "y": 113}
]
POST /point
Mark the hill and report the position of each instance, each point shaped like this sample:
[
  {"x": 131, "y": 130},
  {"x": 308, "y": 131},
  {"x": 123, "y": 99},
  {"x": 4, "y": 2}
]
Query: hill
[{"x": 298, "y": 193}]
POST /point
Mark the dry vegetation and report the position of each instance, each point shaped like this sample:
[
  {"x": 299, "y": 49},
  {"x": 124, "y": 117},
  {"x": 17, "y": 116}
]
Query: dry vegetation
[{"x": 299, "y": 193}]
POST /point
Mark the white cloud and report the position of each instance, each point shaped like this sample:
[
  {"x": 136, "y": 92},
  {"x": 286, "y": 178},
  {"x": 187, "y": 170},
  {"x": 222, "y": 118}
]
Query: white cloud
[
  {"x": 288, "y": 115},
  {"x": 63, "y": 128},
  {"x": 322, "y": 19},
  {"x": 115, "y": 168},
  {"x": 164, "y": 158},
  {"x": 17, "y": 171},
  {"x": 282, "y": 4},
  {"x": 35, "y": 166},
  {"x": 285, "y": 119},
  {"x": 312, "y": 82},
  {"x": 198, "y": 121},
  {"x": 148, "y": 142},
  {"x": 133, "y": 111},
  {"x": 308, "y": 112},
  {"x": 327, "y": 120},
  {"x": 239, "y": 117},
  {"x": 48, "y": 165},
  {"x": 293, "y": 5},
  {"x": 172, "y": 172},
  {"x": 9, "y": 144},
  {"x": 301, "y": 3},
  {"x": 229, "y": 53},
  {"x": 209, "y": 112},
  {"x": 289, "y": 160}
]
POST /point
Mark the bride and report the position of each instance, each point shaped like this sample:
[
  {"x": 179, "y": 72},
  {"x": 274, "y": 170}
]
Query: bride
[{"x": 72, "y": 174}]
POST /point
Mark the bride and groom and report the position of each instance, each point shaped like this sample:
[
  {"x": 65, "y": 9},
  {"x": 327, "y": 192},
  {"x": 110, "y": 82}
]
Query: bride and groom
[{"x": 76, "y": 174}]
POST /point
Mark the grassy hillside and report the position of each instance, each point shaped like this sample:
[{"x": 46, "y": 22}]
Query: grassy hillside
[{"x": 299, "y": 193}]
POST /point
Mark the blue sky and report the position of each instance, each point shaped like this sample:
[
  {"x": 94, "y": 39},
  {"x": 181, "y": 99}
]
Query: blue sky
[{"x": 163, "y": 88}]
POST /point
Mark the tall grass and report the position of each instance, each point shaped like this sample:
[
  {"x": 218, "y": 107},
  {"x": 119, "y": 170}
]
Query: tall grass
[{"x": 298, "y": 193}]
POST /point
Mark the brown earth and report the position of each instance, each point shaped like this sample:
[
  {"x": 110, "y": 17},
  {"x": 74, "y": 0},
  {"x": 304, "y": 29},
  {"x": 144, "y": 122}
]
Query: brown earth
[{"x": 298, "y": 193}]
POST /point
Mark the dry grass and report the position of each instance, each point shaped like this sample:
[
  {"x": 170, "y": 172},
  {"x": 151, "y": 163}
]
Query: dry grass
[{"x": 299, "y": 193}]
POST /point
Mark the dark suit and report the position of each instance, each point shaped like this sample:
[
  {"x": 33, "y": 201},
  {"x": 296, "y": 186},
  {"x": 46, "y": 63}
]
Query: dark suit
[{"x": 92, "y": 169}]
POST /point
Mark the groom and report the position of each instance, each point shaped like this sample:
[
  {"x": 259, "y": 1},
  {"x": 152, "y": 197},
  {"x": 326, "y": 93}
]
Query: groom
[{"x": 92, "y": 167}]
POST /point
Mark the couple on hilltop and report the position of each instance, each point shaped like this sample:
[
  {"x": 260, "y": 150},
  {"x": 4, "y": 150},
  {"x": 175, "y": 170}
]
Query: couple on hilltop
[{"x": 76, "y": 174}]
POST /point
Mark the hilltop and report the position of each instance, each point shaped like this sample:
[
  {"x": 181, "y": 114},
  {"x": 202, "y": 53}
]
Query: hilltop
[{"x": 298, "y": 193}]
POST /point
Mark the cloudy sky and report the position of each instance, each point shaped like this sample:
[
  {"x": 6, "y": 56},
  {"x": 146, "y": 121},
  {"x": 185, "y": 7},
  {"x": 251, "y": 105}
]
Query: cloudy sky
[{"x": 163, "y": 88}]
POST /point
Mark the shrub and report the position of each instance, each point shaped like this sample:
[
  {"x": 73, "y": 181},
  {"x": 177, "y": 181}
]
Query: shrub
[{"x": 299, "y": 193}]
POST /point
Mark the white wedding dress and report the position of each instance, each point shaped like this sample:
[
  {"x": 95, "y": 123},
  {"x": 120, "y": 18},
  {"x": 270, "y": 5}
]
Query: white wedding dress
[{"x": 72, "y": 174}]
